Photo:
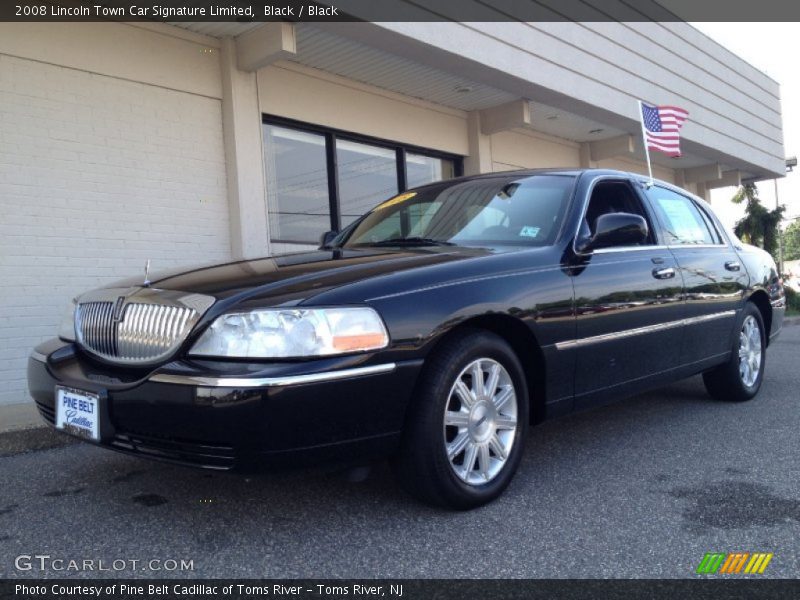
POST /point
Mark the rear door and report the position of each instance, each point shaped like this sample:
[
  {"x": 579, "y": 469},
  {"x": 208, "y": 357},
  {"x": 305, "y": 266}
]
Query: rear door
[{"x": 713, "y": 276}]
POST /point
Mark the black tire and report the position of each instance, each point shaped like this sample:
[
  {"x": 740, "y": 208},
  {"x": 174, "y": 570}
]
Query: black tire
[
  {"x": 726, "y": 382},
  {"x": 423, "y": 465}
]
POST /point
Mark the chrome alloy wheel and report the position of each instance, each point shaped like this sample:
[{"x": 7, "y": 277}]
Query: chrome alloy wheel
[
  {"x": 749, "y": 351},
  {"x": 480, "y": 421}
]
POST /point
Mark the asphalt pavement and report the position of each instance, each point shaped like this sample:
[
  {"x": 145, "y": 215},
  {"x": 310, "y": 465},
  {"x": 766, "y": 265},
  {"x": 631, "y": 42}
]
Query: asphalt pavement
[{"x": 642, "y": 488}]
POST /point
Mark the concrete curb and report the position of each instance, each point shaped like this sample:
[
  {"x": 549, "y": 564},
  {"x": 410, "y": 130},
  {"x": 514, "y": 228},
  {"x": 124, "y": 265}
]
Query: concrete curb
[
  {"x": 23, "y": 430},
  {"x": 19, "y": 416},
  {"x": 787, "y": 321}
]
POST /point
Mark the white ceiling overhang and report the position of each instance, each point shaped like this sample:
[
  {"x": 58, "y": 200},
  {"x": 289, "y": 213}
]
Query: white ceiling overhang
[{"x": 359, "y": 52}]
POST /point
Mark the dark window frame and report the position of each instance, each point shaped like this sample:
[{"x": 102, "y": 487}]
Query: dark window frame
[
  {"x": 714, "y": 229},
  {"x": 654, "y": 226},
  {"x": 331, "y": 135},
  {"x": 705, "y": 218}
]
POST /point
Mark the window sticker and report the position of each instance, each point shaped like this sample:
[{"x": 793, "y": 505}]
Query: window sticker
[
  {"x": 682, "y": 220},
  {"x": 529, "y": 231},
  {"x": 397, "y": 200}
]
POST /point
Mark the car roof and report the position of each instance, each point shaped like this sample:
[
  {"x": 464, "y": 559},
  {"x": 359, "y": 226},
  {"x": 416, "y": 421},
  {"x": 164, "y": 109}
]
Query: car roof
[{"x": 572, "y": 172}]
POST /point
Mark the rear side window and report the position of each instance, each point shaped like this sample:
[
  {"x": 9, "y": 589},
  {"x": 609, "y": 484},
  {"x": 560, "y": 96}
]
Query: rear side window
[{"x": 684, "y": 224}]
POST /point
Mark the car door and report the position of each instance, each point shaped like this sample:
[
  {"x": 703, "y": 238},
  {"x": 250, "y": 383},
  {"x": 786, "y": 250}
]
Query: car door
[
  {"x": 628, "y": 302},
  {"x": 713, "y": 276}
]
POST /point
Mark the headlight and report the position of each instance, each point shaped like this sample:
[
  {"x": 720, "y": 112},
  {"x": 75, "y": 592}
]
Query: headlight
[
  {"x": 66, "y": 330},
  {"x": 282, "y": 333}
]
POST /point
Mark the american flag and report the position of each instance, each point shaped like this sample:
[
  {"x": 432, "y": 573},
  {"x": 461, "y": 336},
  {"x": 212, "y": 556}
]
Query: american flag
[{"x": 661, "y": 127}]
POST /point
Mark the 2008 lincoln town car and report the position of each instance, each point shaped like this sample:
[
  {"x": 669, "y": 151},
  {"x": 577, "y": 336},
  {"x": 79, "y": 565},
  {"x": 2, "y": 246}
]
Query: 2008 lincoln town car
[{"x": 433, "y": 330}]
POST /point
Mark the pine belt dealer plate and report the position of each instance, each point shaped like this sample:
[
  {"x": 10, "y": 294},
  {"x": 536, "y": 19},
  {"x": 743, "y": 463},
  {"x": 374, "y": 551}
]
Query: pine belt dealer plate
[{"x": 77, "y": 412}]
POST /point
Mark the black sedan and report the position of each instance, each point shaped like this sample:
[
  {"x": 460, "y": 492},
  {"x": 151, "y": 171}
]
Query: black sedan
[{"x": 433, "y": 330}]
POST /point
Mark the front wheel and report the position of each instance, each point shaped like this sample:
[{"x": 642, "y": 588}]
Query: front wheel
[
  {"x": 465, "y": 434},
  {"x": 740, "y": 378}
]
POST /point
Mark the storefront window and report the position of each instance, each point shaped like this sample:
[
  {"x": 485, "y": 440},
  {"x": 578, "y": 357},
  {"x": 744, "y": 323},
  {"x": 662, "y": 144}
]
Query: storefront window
[
  {"x": 367, "y": 175},
  {"x": 320, "y": 180},
  {"x": 423, "y": 169},
  {"x": 297, "y": 184}
]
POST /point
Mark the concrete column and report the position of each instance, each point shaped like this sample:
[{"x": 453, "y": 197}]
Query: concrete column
[
  {"x": 241, "y": 125},
  {"x": 513, "y": 115},
  {"x": 263, "y": 46},
  {"x": 480, "y": 147},
  {"x": 611, "y": 148},
  {"x": 728, "y": 179},
  {"x": 585, "y": 156},
  {"x": 680, "y": 180},
  {"x": 702, "y": 174},
  {"x": 702, "y": 191}
]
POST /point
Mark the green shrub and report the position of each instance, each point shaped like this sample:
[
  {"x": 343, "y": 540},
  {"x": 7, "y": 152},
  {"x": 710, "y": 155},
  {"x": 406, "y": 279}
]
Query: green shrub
[{"x": 792, "y": 300}]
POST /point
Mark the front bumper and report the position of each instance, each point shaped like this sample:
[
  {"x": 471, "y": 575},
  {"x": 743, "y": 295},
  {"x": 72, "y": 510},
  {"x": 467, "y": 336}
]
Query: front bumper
[{"x": 232, "y": 415}]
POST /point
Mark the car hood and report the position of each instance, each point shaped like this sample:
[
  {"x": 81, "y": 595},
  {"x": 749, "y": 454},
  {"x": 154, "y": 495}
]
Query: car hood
[{"x": 292, "y": 278}]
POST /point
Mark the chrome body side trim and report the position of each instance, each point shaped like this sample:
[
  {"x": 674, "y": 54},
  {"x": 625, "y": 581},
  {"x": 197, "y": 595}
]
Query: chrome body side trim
[
  {"x": 617, "y": 335},
  {"x": 711, "y": 317},
  {"x": 695, "y": 246},
  {"x": 658, "y": 247},
  {"x": 251, "y": 382},
  {"x": 38, "y": 356}
]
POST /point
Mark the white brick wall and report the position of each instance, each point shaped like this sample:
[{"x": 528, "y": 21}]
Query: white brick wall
[{"x": 97, "y": 175}]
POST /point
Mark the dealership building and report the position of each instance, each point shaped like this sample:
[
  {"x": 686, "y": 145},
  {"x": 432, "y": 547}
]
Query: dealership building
[{"x": 202, "y": 142}]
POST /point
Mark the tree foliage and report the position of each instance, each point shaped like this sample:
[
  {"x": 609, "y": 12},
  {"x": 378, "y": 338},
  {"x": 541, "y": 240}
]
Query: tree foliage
[
  {"x": 759, "y": 226},
  {"x": 791, "y": 242}
]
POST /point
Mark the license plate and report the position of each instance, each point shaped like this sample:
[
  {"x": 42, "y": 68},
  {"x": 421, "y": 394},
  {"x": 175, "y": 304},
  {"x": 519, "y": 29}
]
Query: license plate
[{"x": 77, "y": 412}]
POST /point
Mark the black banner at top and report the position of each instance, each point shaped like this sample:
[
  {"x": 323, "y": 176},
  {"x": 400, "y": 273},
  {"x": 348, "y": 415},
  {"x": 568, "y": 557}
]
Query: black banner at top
[{"x": 399, "y": 10}]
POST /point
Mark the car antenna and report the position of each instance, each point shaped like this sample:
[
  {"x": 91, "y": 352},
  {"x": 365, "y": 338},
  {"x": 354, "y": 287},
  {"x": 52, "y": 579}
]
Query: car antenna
[{"x": 147, "y": 273}]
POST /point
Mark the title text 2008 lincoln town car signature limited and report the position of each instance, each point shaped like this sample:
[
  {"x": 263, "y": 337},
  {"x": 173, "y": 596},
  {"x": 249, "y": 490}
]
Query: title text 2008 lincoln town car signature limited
[{"x": 433, "y": 330}]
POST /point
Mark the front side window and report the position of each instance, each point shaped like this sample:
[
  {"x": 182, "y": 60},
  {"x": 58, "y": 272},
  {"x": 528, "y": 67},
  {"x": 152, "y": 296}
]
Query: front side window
[
  {"x": 684, "y": 225},
  {"x": 497, "y": 211},
  {"x": 610, "y": 197}
]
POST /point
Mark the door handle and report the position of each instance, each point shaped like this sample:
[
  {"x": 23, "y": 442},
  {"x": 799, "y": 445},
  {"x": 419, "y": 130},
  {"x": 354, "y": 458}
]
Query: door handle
[
  {"x": 665, "y": 273},
  {"x": 733, "y": 265}
]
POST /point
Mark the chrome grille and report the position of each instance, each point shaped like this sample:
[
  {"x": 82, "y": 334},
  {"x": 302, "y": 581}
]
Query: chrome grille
[
  {"x": 137, "y": 330},
  {"x": 95, "y": 328},
  {"x": 149, "y": 330}
]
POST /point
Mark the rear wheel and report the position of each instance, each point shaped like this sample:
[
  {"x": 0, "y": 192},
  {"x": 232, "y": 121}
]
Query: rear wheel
[
  {"x": 465, "y": 434},
  {"x": 740, "y": 378}
]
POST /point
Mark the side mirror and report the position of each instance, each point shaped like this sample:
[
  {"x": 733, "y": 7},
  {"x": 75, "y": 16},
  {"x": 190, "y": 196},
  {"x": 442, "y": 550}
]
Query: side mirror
[
  {"x": 326, "y": 238},
  {"x": 616, "y": 229}
]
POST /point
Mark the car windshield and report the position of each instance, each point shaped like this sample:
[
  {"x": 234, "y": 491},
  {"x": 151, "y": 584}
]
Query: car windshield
[{"x": 493, "y": 211}]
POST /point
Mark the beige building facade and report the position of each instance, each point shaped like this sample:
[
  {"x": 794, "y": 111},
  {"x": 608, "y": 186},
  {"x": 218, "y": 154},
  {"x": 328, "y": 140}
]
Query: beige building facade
[{"x": 122, "y": 143}]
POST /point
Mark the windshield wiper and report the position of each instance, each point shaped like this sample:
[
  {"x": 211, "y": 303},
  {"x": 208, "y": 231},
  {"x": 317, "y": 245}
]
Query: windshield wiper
[{"x": 410, "y": 241}]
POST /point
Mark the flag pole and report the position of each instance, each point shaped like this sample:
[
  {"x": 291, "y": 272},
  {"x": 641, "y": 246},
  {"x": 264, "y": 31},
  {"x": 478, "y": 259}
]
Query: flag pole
[{"x": 644, "y": 142}]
